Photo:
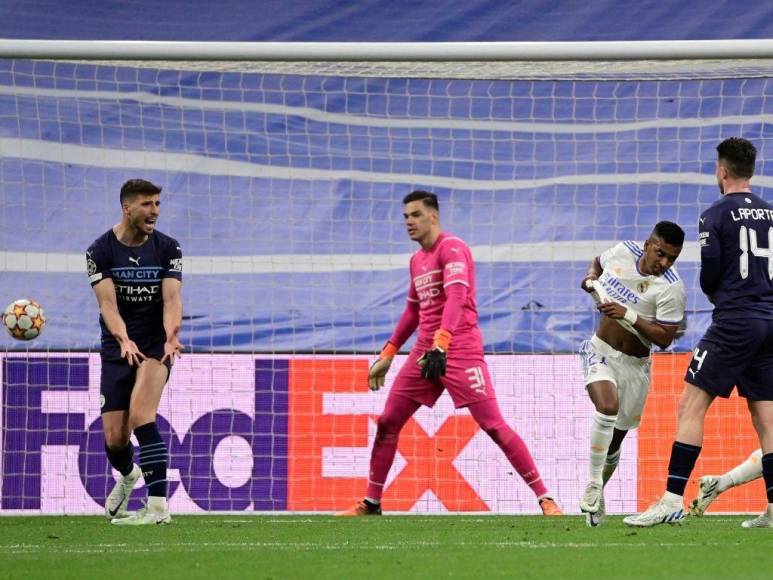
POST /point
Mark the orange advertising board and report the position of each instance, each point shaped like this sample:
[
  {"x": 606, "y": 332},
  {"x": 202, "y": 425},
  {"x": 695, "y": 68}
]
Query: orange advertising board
[{"x": 728, "y": 439}]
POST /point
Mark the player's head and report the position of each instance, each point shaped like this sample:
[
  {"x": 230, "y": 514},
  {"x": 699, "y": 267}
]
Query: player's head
[
  {"x": 735, "y": 161},
  {"x": 422, "y": 216},
  {"x": 140, "y": 204},
  {"x": 662, "y": 248}
]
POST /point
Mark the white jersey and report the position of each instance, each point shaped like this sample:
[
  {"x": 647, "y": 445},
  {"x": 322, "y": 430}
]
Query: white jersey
[{"x": 654, "y": 298}]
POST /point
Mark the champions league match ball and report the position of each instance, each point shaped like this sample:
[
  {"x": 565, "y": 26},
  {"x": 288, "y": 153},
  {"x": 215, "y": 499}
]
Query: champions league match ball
[{"x": 24, "y": 319}]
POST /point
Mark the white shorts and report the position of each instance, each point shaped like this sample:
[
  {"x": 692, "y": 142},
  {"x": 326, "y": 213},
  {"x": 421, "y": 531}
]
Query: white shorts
[{"x": 630, "y": 374}]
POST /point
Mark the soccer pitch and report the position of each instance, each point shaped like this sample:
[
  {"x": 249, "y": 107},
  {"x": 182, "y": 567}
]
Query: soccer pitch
[{"x": 388, "y": 547}]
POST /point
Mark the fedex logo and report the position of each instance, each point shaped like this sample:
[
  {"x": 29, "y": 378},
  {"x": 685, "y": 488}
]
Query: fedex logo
[
  {"x": 251, "y": 432},
  {"x": 224, "y": 422},
  {"x": 332, "y": 430}
]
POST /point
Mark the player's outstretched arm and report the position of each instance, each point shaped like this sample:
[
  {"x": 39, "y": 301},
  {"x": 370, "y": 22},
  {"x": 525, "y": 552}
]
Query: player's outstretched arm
[
  {"x": 407, "y": 324},
  {"x": 108, "y": 307},
  {"x": 173, "y": 316}
]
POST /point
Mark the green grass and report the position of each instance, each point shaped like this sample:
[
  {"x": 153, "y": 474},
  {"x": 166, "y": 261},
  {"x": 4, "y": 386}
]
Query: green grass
[{"x": 316, "y": 547}]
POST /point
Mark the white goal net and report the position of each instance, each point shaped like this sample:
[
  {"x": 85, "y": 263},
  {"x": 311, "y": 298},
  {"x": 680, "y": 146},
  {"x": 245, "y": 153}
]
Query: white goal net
[{"x": 282, "y": 182}]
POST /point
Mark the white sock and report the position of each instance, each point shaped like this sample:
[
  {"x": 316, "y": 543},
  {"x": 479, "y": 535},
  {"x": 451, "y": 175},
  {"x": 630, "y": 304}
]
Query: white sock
[
  {"x": 156, "y": 503},
  {"x": 610, "y": 465},
  {"x": 746, "y": 471},
  {"x": 672, "y": 499},
  {"x": 600, "y": 437}
]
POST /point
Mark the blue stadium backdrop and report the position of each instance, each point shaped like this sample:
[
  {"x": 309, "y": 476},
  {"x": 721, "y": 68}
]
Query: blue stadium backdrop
[{"x": 284, "y": 191}]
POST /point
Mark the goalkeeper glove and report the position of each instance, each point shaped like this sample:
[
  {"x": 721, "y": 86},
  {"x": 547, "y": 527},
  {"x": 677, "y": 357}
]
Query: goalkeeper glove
[
  {"x": 433, "y": 362},
  {"x": 379, "y": 369}
]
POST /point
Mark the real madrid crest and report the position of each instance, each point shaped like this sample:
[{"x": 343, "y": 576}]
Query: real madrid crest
[{"x": 643, "y": 286}]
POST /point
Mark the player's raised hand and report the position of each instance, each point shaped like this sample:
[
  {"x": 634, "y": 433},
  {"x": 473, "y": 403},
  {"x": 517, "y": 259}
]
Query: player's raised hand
[
  {"x": 379, "y": 369},
  {"x": 587, "y": 283},
  {"x": 131, "y": 352},
  {"x": 172, "y": 350}
]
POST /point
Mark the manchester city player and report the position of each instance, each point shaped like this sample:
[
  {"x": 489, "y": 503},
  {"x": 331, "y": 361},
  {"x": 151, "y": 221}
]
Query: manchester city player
[
  {"x": 136, "y": 273},
  {"x": 448, "y": 355},
  {"x": 736, "y": 240}
]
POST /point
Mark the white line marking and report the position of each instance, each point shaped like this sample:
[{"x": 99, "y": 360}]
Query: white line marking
[
  {"x": 82, "y": 155},
  {"x": 383, "y": 121},
  {"x": 345, "y": 545},
  {"x": 541, "y": 252}
]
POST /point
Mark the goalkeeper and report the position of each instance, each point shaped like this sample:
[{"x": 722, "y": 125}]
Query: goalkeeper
[
  {"x": 447, "y": 355},
  {"x": 642, "y": 299}
]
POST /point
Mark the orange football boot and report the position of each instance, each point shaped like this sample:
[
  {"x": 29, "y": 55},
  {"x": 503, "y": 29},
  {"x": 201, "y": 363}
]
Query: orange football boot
[
  {"x": 550, "y": 507},
  {"x": 363, "y": 508}
]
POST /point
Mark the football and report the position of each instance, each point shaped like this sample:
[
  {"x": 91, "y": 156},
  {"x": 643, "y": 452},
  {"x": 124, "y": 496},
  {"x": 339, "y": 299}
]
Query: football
[{"x": 24, "y": 319}]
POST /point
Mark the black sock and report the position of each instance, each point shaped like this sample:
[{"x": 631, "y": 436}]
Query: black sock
[
  {"x": 121, "y": 459},
  {"x": 153, "y": 458},
  {"x": 767, "y": 473},
  {"x": 683, "y": 458}
]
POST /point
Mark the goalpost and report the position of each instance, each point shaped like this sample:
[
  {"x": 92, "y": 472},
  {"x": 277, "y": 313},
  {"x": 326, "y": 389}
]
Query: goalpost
[{"x": 283, "y": 167}]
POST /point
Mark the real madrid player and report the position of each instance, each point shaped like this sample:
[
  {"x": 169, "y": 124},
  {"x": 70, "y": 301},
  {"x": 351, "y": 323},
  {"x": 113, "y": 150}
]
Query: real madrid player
[
  {"x": 136, "y": 273},
  {"x": 642, "y": 300}
]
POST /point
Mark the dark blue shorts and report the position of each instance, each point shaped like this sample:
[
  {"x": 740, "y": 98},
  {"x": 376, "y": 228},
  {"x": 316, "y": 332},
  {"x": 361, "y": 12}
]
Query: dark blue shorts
[
  {"x": 118, "y": 377},
  {"x": 735, "y": 352}
]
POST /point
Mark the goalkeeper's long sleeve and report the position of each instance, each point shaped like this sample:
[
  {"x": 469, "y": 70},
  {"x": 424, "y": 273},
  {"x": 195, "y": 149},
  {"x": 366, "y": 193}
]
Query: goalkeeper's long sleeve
[
  {"x": 456, "y": 298},
  {"x": 407, "y": 324}
]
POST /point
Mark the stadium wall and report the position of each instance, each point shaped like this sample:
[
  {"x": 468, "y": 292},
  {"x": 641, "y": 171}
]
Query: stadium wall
[{"x": 293, "y": 433}]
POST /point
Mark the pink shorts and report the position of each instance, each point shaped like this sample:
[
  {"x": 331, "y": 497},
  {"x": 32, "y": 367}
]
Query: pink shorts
[{"x": 467, "y": 380}]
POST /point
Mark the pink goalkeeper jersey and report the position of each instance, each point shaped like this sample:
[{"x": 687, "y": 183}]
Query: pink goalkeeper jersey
[{"x": 449, "y": 261}]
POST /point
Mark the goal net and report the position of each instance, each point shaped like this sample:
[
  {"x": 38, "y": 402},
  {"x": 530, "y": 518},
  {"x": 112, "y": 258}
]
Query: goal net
[{"x": 283, "y": 183}]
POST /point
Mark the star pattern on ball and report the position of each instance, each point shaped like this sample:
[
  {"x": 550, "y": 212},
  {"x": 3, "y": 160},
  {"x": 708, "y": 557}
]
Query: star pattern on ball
[{"x": 24, "y": 319}]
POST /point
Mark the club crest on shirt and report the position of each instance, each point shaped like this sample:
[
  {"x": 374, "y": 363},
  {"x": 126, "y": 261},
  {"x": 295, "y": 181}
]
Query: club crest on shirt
[
  {"x": 642, "y": 287},
  {"x": 618, "y": 271}
]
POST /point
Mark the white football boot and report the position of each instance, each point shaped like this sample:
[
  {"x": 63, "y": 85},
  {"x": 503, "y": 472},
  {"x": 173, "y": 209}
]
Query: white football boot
[
  {"x": 156, "y": 511},
  {"x": 668, "y": 510},
  {"x": 593, "y": 520},
  {"x": 708, "y": 492},
  {"x": 762, "y": 521},
  {"x": 591, "y": 498},
  {"x": 116, "y": 502}
]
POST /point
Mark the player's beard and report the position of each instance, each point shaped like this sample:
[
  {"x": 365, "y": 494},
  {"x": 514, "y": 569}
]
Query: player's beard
[{"x": 141, "y": 227}]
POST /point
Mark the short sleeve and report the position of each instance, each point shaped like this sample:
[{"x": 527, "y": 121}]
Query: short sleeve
[
  {"x": 172, "y": 260},
  {"x": 455, "y": 260},
  {"x": 98, "y": 263},
  {"x": 671, "y": 303},
  {"x": 610, "y": 253}
]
